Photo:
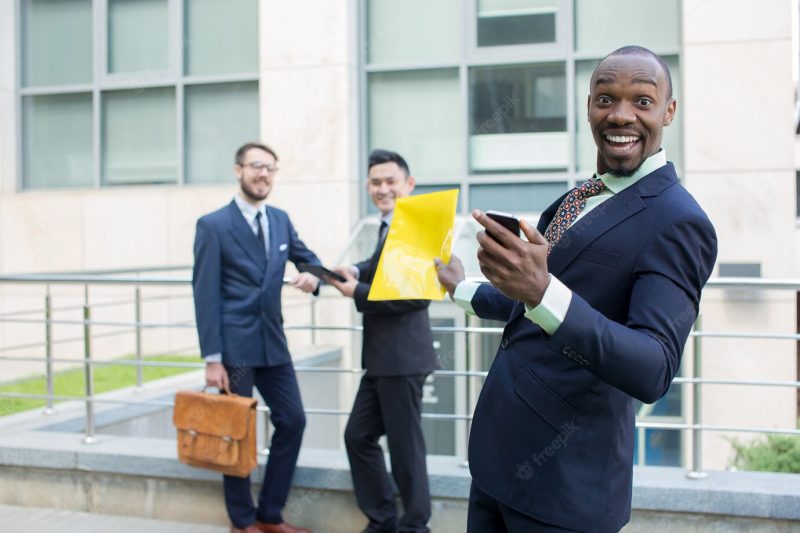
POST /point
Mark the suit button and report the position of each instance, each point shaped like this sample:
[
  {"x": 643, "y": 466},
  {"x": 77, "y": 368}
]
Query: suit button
[{"x": 504, "y": 343}]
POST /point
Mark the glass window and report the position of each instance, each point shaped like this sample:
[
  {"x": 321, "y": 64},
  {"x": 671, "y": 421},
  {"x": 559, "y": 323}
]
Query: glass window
[
  {"x": 425, "y": 189},
  {"x": 515, "y": 197},
  {"x": 418, "y": 114},
  {"x": 138, "y": 36},
  {"x": 57, "y": 141},
  {"x": 587, "y": 150},
  {"x": 518, "y": 118},
  {"x": 139, "y": 137},
  {"x": 138, "y": 128},
  {"x": 219, "y": 118},
  {"x": 57, "y": 42},
  {"x": 597, "y": 24},
  {"x": 414, "y": 30},
  {"x": 439, "y": 395},
  {"x": 509, "y": 22},
  {"x": 662, "y": 447},
  {"x": 221, "y": 37}
]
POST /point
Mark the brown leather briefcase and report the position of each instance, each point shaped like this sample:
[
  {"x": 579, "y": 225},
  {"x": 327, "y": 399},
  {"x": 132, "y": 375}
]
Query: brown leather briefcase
[{"x": 216, "y": 431}]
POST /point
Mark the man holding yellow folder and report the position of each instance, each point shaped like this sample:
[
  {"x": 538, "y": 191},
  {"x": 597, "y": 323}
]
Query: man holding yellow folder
[{"x": 397, "y": 353}]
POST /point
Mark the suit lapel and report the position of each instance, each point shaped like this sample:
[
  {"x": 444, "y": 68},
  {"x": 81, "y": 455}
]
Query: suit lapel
[
  {"x": 601, "y": 219},
  {"x": 243, "y": 234},
  {"x": 606, "y": 216},
  {"x": 598, "y": 221},
  {"x": 549, "y": 213}
]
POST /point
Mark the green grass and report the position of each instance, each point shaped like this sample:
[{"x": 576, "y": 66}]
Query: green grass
[{"x": 71, "y": 382}]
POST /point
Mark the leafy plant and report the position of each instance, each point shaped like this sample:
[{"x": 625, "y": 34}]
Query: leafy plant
[{"x": 778, "y": 453}]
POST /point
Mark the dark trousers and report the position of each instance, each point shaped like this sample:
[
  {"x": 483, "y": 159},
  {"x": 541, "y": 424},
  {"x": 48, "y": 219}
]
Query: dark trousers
[
  {"x": 487, "y": 514},
  {"x": 389, "y": 406},
  {"x": 278, "y": 386}
]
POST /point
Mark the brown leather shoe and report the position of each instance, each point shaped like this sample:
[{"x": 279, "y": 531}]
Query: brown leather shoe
[
  {"x": 283, "y": 527},
  {"x": 253, "y": 528}
]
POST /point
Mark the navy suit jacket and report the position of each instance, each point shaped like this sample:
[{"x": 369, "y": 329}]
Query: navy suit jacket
[
  {"x": 553, "y": 430},
  {"x": 237, "y": 290},
  {"x": 397, "y": 339}
]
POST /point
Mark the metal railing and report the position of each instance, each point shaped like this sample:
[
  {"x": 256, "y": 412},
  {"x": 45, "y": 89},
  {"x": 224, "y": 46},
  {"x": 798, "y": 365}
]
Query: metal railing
[{"x": 137, "y": 280}]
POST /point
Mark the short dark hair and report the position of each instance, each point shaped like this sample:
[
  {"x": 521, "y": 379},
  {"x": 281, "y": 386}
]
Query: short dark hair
[
  {"x": 380, "y": 156},
  {"x": 249, "y": 146},
  {"x": 633, "y": 49}
]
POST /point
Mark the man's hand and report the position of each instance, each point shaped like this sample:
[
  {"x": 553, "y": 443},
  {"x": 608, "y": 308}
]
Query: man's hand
[
  {"x": 450, "y": 274},
  {"x": 517, "y": 268},
  {"x": 347, "y": 288},
  {"x": 217, "y": 376},
  {"x": 305, "y": 281}
]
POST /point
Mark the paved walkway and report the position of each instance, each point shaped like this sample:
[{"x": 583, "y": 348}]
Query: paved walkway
[{"x": 27, "y": 519}]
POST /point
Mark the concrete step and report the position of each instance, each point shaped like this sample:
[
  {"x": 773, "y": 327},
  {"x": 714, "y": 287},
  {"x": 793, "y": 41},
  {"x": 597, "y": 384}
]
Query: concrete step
[{"x": 15, "y": 519}]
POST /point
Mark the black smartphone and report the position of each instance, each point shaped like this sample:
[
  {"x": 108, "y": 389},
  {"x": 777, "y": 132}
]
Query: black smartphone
[
  {"x": 320, "y": 271},
  {"x": 508, "y": 221}
]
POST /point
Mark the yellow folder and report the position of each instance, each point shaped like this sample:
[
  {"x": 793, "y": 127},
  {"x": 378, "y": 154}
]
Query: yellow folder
[{"x": 421, "y": 229}]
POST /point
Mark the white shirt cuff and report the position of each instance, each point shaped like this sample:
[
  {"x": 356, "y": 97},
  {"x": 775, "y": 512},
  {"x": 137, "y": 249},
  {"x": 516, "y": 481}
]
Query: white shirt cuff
[
  {"x": 355, "y": 271},
  {"x": 552, "y": 310},
  {"x": 213, "y": 358},
  {"x": 463, "y": 294}
]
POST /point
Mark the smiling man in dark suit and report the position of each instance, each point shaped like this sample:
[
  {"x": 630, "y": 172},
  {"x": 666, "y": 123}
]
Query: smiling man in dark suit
[
  {"x": 398, "y": 354},
  {"x": 598, "y": 305},
  {"x": 240, "y": 255}
]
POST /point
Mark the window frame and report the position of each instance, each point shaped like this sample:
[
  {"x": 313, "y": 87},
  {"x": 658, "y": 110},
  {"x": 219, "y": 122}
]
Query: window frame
[
  {"x": 563, "y": 50},
  {"x": 174, "y": 77}
]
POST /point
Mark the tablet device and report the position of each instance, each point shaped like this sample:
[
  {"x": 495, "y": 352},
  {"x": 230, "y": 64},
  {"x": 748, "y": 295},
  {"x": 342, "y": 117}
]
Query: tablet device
[{"x": 320, "y": 271}]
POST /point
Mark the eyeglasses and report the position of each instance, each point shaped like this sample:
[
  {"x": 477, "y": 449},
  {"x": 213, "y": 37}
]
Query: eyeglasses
[{"x": 258, "y": 167}]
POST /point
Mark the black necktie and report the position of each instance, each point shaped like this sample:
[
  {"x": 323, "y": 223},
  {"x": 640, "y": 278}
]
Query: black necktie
[
  {"x": 261, "y": 238},
  {"x": 382, "y": 231}
]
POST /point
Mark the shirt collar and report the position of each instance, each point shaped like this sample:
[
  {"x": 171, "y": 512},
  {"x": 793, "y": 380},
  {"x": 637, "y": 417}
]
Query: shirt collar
[
  {"x": 617, "y": 184},
  {"x": 248, "y": 210},
  {"x": 387, "y": 218}
]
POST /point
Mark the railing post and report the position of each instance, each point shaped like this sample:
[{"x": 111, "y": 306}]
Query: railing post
[
  {"x": 138, "y": 318},
  {"x": 697, "y": 406},
  {"x": 89, "y": 438},
  {"x": 313, "y": 320},
  {"x": 48, "y": 346},
  {"x": 265, "y": 450},
  {"x": 467, "y": 388}
]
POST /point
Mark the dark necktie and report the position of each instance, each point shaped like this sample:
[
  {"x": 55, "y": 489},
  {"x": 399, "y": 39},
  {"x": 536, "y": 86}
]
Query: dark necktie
[
  {"x": 570, "y": 208},
  {"x": 382, "y": 231},
  {"x": 261, "y": 237}
]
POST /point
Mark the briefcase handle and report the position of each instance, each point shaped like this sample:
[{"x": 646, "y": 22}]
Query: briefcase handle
[{"x": 226, "y": 390}]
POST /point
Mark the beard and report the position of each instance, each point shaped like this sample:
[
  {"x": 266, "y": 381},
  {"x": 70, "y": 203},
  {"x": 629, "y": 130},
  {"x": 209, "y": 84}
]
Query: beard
[
  {"x": 250, "y": 192},
  {"x": 623, "y": 172}
]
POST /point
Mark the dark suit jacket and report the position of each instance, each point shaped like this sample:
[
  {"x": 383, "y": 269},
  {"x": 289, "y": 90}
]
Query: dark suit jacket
[
  {"x": 397, "y": 339},
  {"x": 553, "y": 430},
  {"x": 237, "y": 291}
]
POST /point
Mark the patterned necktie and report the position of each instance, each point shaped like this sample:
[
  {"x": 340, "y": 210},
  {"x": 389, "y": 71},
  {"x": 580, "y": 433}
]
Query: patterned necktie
[{"x": 570, "y": 208}]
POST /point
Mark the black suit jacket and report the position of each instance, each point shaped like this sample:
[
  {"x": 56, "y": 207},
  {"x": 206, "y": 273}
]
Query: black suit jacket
[
  {"x": 397, "y": 339},
  {"x": 552, "y": 435}
]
